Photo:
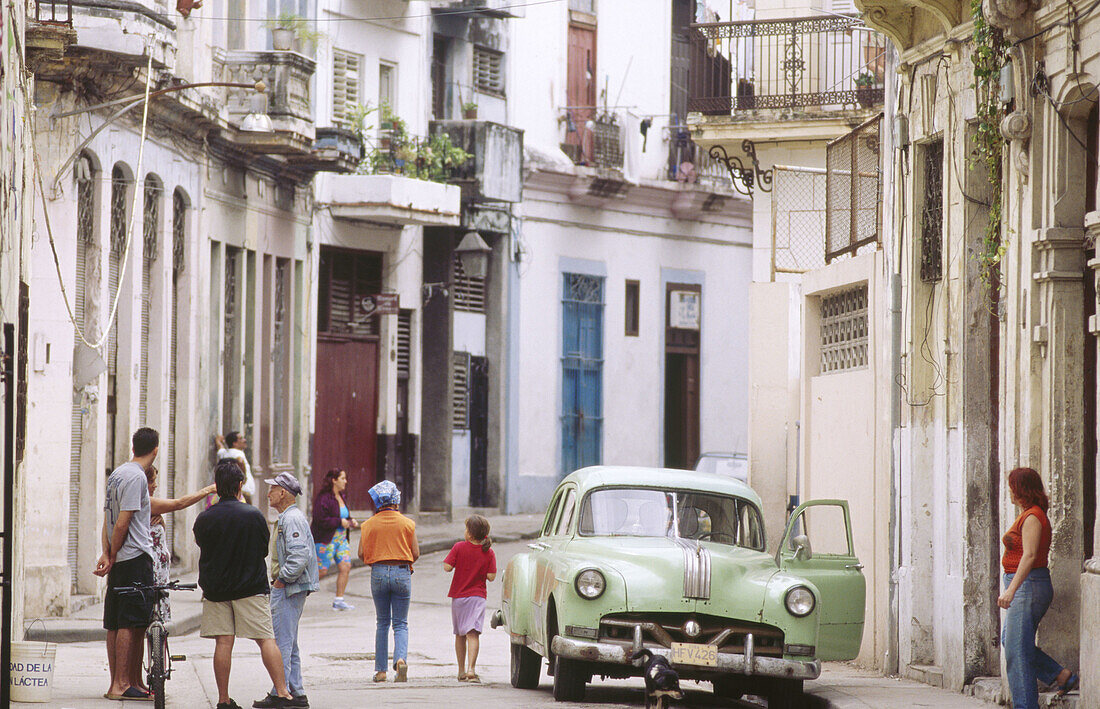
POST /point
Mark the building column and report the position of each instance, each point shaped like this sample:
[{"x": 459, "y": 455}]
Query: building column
[
  {"x": 1090, "y": 579},
  {"x": 1059, "y": 288}
]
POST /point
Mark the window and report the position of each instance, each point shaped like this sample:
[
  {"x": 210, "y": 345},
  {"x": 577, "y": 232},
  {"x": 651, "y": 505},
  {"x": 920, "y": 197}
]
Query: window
[
  {"x": 460, "y": 395},
  {"x": 582, "y": 371},
  {"x": 440, "y": 46},
  {"x": 280, "y": 356},
  {"x": 488, "y": 71},
  {"x": 387, "y": 80},
  {"x": 567, "y": 510},
  {"x": 551, "y": 516},
  {"x": 150, "y": 229},
  {"x": 469, "y": 291},
  {"x": 344, "y": 278},
  {"x": 931, "y": 220},
  {"x": 404, "y": 343},
  {"x": 632, "y": 308},
  {"x": 844, "y": 330},
  {"x": 346, "y": 82}
]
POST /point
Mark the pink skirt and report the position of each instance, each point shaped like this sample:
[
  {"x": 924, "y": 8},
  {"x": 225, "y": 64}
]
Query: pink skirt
[{"x": 467, "y": 614}]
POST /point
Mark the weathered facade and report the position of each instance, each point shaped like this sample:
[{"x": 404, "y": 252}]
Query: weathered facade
[
  {"x": 171, "y": 285},
  {"x": 997, "y": 338},
  {"x": 792, "y": 97}
]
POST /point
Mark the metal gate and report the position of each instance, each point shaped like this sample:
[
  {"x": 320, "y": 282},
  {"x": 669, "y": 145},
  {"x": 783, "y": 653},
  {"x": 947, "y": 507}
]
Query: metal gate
[{"x": 582, "y": 372}]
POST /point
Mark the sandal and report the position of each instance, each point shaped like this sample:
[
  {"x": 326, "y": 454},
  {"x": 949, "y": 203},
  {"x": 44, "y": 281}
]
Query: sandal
[
  {"x": 1071, "y": 684},
  {"x": 473, "y": 678},
  {"x": 379, "y": 676},
  {"x": 461, "y": 676},
  {"x": 402, "y": 668}
]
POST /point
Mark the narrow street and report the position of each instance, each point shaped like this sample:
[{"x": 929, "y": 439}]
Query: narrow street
[
  {"x": 338, "y": 663},
  {"x": 338, "y": 659}
]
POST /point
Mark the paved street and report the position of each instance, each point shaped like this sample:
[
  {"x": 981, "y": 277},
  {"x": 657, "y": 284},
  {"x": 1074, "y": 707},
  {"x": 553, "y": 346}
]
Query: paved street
[{"x": 338, "y": 663}]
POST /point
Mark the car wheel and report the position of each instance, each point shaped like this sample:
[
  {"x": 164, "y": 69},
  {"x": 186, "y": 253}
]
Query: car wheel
[
  {"x": 785, "y": 694},
  {"x": 728, "y": 688},
  {"x": 526, "y": 665},
  {"x": 569, "y": 680}
]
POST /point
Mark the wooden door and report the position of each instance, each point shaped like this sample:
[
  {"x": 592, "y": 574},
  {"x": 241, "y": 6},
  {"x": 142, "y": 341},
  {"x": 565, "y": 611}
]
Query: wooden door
[
  {"x": 580, "y": 87},
  {"x": 346, "y": 417}
]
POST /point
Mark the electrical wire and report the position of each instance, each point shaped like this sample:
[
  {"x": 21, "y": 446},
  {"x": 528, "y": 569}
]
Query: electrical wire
[{"x": 46, "y": 212}]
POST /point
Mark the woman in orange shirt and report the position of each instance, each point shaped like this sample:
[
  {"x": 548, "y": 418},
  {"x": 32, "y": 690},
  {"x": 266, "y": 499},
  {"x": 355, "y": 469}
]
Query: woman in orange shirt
[
  {"x": 1028, "y": 593},
  {"x": 387, "y": 543}
]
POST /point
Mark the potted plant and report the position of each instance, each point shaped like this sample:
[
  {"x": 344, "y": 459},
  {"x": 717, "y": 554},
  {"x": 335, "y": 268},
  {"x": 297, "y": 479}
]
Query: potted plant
[
  {"x": 288, "y": 27},
  {"x": 866, "y": 93},
  {"x": 469, "y": 110}
]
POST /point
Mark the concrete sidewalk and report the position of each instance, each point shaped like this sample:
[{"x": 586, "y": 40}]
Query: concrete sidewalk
[
  {"x": 843, "y": 686},
  {"x": 434, "y": 535}
]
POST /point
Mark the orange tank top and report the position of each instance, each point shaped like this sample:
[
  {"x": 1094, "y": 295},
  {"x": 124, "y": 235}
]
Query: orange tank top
[
  {"x": 387, "y": 536},
  {"x": 1014, "y": 541}
]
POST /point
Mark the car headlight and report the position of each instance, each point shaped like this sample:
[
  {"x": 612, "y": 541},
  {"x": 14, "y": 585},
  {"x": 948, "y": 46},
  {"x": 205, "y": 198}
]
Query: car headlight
[
  {"x": 590, "y": 584},
  {"x": 800, "y": 601}
]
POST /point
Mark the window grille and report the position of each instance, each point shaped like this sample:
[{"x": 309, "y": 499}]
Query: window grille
[
  {"x": 404, "y": 343},
  {"x": 345, "y": 277},
  {"x": 85, "y": 240},
  {"x": 488, "y": 71},
  {"x": 150, "y": 224},
  {"x": 120, "y": 190},
  {"x": 469, "y": 291},
  {"x": 607, "y": 143},
  {"x": 231, "y": 353},
  {"x": 346, "y": 81},
  {"x": 931, "y": 221},
  {"x": 179, "y": 240},
  {"x": 853, "y": 190},
  {"x": 460, "y": 397},
  {"x": 280, "y": 355},
  {"x": 844, "y": 330}
]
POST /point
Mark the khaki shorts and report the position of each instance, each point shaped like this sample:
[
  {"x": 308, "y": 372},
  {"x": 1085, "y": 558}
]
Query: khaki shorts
[{"x": 243, "y": 618}]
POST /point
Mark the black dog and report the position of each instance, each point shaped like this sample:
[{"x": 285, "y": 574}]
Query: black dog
[{"x": 661, "y": 681}]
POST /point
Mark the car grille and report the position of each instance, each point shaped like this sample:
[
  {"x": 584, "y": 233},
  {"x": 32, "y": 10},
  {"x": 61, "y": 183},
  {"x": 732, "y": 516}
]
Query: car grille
[{"x": 663, "y": 629}]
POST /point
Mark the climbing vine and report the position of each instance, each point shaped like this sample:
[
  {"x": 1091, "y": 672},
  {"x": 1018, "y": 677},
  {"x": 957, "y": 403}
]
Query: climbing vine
[{"x": 989, "y": 55}]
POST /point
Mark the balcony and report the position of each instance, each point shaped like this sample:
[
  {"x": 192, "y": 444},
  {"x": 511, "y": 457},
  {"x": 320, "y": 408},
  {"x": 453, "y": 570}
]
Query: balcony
[
  {"x": 809, "y": 68},
  {"x": 391, "y": 199},
  {"x": 494, "y": 170},
  {"x": 287, "y": 76},
  {"x": 496, "y": 9},
  {"x": 50, "y": 32}
]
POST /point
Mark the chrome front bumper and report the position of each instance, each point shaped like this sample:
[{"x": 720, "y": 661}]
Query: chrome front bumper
[{"x": 728, "y": 662}]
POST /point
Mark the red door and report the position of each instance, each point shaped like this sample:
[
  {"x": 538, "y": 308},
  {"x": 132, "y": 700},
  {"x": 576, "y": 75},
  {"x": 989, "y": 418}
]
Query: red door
[
  {"x": 345, "y": 434},
  {"x": 580, "y": 87}
]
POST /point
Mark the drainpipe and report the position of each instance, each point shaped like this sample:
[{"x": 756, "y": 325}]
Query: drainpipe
[
  {"x": 892, "y": 660},
  {"x": 8, "y": 375}
]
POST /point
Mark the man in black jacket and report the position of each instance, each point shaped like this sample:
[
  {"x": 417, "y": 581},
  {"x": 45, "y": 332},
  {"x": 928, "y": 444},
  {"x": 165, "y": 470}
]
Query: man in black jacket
[{"x": 233, "y": 539}]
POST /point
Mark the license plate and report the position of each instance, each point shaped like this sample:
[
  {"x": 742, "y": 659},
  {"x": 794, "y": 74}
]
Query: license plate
[{"x": 694, "y": 654}]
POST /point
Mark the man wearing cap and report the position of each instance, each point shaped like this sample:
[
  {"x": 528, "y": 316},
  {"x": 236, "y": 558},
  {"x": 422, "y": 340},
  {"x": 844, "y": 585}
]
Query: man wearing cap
[
  {"x": 294, "y": 576},
  {"x": 233, "y": 539}
]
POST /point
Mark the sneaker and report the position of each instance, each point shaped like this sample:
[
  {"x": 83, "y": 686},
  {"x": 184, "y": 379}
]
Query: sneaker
[
  {"x": 229, "y": 705},
  {"x": 339, "y": 605},
  {"x": 300, "y": 702}
]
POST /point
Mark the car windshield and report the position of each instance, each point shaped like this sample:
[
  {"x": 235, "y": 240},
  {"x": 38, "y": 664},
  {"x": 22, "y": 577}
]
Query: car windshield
[{"x": 686, "y": 514}]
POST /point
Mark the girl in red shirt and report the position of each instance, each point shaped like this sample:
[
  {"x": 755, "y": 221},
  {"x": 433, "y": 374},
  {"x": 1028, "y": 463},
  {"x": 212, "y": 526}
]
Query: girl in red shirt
[{"x": 473, "y": 563}]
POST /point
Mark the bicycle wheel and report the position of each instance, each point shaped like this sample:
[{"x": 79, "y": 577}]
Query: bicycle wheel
[{"x": 158, "y": 650}]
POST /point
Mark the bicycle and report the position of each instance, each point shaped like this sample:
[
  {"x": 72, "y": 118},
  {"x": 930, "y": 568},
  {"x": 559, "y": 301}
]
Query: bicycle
[{"x": 159, "y": 668}]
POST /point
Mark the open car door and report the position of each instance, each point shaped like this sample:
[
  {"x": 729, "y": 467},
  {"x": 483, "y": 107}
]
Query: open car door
[{"x": 817, "y": 546}]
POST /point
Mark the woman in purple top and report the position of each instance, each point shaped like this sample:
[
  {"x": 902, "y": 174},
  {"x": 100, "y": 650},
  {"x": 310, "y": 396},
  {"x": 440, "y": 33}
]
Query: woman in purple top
[{"x": 331, "y": 525}]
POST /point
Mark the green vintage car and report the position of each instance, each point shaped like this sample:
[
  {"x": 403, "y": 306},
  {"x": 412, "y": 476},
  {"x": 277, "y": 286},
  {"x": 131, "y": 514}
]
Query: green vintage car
[{"x": 675, "y": 561}]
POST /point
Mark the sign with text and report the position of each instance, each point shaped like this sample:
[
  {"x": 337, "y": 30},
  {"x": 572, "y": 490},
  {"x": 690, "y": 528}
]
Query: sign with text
[
  {"x": 683, "y": 309},
  {"x": 380, "y": 304}
]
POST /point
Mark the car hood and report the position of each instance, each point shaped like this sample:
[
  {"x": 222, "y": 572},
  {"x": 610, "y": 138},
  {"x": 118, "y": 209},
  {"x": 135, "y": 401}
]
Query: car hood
[{"x": 653, "y": 569}]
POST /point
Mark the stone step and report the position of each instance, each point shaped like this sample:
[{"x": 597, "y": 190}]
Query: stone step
[
  {"x": 991, "y": 690},
  {"x": 926, "y": 674}
]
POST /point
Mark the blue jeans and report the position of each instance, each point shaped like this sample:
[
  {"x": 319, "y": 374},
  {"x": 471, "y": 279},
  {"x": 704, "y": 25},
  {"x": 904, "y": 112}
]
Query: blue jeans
[
  {"x": 391, "y": 587},
  {"x": 286, "y": 611},
  {"x": 1027, "y": 663}
]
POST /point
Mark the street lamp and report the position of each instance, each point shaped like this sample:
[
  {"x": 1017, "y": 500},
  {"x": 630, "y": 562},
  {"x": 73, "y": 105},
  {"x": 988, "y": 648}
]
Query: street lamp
[
  {"x": 473, "y": 253},
  {"x": 256, "y": 121}
]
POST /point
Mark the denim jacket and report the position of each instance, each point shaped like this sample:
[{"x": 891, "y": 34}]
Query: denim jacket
[{"x": 295, "y": 552}]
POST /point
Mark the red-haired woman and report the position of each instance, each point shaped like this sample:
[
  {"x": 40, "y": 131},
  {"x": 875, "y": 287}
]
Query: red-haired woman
[{"x": 1028, "y": 593}]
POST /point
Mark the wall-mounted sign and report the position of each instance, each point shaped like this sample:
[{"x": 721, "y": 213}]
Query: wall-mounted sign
[
  {"x": 683, "y": 309},
  {"x": 380, "y": 304}
]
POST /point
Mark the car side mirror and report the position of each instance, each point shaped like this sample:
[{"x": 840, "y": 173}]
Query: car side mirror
[{"x": 802, "y": 550}]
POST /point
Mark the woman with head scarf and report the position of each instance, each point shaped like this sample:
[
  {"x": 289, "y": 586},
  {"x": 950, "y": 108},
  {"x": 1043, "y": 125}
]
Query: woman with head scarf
[{"x": 387, "y": 543}]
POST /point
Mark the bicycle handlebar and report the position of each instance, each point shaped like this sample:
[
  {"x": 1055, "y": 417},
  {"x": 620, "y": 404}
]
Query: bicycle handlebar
[{"x": 144, "y": 588}]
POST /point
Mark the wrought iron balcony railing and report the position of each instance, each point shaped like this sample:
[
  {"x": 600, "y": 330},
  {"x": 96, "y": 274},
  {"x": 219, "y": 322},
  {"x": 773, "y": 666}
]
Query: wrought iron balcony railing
[{"x": 825, "y": 62}]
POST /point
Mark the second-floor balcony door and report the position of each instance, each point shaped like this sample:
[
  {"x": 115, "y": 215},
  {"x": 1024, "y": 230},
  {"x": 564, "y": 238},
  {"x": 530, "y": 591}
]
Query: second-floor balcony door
[{"x": 581, "y": 84}]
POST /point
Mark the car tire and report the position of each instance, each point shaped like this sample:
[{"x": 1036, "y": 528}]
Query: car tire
[
  {"x": 728, "y": 688},
  {"x": 526, "y": 665},
  {"x": 569, "y": 680},
  {"x": 785, "y": 694}
]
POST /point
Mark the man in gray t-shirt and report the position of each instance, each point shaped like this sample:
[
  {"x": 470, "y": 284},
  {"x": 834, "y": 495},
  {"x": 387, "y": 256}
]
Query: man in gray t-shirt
[{"x": 127, "y": 560}]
